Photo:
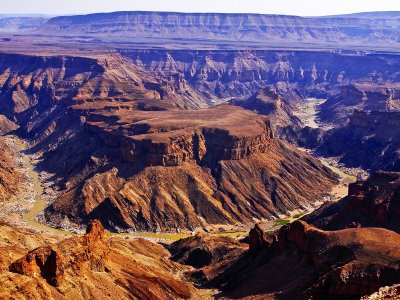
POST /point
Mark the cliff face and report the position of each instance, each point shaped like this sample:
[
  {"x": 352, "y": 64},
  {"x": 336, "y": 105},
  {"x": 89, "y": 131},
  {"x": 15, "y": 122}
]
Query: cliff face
[
  {"x": 11, "y": 176},
  {"x": 225, "y": 74},
  {"x": 29, "y": 95},
  {"x": 363, "y": 97},
  {"x": 367, "y": 135},
  {"x": 171, "y": 138}
]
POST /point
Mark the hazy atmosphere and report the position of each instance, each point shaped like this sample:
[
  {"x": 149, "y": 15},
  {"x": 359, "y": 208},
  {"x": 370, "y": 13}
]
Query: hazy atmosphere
[{"x": 291, "y": 7}]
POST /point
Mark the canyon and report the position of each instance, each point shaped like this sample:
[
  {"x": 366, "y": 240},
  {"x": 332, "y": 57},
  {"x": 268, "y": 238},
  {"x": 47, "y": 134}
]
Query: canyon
[{"x": 256, "y": 154}]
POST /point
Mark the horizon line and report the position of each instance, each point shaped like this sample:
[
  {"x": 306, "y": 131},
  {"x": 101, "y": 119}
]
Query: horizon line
[{"x": 11, "y": 15}]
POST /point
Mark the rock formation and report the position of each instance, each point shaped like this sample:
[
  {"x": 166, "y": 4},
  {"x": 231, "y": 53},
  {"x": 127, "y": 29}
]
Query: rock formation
[
  {"x": 92, "y": 266},
  {"x": 11, "y": 177},
  {"x": 6, "y": 126},
  {"x": 244, "y": 29},
  {"x": 304, "y": 262},
  {"x": 278, "y": 104},
  {"x": 204, "y": 249},
  {"x": 225, "y": 74},
  {"x": 371, "y": 203},
  {"x": 88, "y": 252},
  {"x": 361, "y": 97},
  {"x": 257, "y": 238},
  {"x": 217, "y": 166},
  {"x": 367, "y": 135}
]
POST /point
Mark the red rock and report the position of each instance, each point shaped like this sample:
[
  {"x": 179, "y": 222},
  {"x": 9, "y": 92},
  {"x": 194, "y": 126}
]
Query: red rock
[
  {"x": 52, "y": 262},
  {"x": 370, "y": 203},
  {"x": 305, "y": 262},
  {"x": 257, "y": 238}
]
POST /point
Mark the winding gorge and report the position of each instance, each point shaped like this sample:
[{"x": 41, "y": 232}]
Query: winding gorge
[{"x": 259, "y": 160}]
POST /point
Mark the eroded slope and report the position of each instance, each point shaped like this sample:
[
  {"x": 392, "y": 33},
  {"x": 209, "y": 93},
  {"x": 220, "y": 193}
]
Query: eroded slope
[{"x": 179, "y": 169}]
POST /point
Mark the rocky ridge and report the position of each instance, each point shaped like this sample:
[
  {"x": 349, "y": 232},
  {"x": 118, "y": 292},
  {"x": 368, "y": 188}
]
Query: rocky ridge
[
  {"x": 222, "y": 74},
  {"x": 367, "y": 134},
  {"x": 320, "y": 264},
  {"x": 370, "y": 203},
  {"x": 89, "y": 266}
]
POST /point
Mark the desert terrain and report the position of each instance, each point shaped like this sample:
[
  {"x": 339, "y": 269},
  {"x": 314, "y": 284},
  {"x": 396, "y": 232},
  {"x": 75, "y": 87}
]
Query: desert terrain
[{"x": 152, "y": 155}]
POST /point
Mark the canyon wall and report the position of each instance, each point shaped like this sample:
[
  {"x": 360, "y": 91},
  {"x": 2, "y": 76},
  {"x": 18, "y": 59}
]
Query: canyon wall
[
  {"x": 370, "y": 140},
  {"x": 225, "y": 74}
]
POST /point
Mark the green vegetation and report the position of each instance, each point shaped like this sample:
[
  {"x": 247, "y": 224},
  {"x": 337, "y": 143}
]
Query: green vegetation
[
  {"x": 285, "y": 221},
  {"x": 233, "y": 234},
  {"x": 282, "y": 222}
]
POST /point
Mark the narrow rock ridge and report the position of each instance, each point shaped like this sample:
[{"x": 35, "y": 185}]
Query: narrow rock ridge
[{"x": 88, "y": 252}]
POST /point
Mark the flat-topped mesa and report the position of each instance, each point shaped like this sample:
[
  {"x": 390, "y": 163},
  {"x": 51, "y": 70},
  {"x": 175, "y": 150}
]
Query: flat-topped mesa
[{"x": 175, "y": 137}]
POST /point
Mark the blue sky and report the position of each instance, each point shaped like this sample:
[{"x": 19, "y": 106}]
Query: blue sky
[{"x": 292, "y": 7}]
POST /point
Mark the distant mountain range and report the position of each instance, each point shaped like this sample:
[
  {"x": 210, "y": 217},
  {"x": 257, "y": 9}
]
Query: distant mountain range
[
  {"x": 367, "y": 31},
  {"x": 18, "y": 24}
]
